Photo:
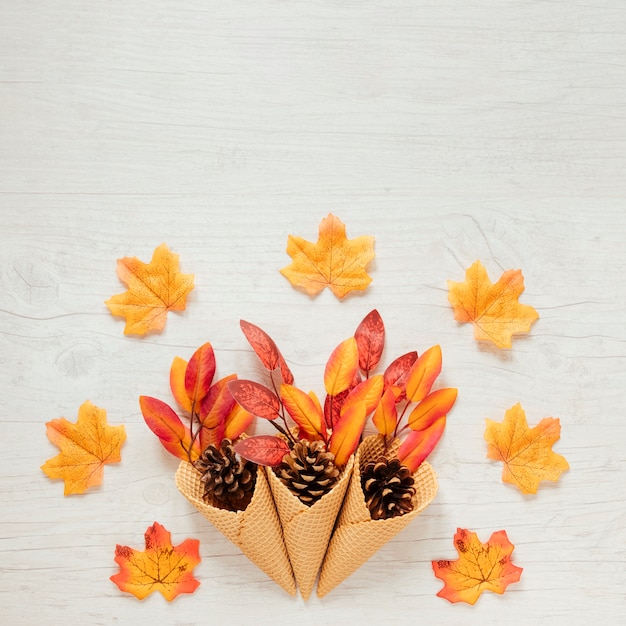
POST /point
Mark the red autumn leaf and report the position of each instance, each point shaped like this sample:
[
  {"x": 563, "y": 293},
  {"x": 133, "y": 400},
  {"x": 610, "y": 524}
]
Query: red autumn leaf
[
  {"x": 161, "y": 567},
  {"x": 418, "y": 444},
  {"x": 304, "y": 411},
  {"x": 334, "y": 404},
  {"x": 431, "y": 408},
  {"x": 385, "y": 416},
  {"x": 166, "y": 425},
  {"x": 423, "y": 374},
  {"x": 370, "y": 339},
  {"x": 199, "y": 373},
  {"x": 480, "y": 567},
  {"x": 347, "y": 433},
  {"x": 262, "y": 449},
  {"x": 397, "y": 371},
  {"x": 255, "y": 398},
  {"x": 267, "y": 351},
  {"x": 341, "y": 367},
  {"x": 177, "y": 383}
]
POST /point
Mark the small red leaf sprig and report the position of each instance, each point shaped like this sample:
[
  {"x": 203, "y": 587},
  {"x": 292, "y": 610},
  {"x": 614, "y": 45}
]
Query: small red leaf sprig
[{"x": 209, "y": 410}]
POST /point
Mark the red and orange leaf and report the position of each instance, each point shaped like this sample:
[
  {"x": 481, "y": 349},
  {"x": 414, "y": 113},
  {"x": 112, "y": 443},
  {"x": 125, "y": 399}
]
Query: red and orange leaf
[
  {"x": 304, "y": 411},
  {"x": 493, "y": 309},
  {"x": 418, "y": 444},
  {"x": 347, "y": 433},
  {"x": 177, "y": 383},
  {"x": 160, "y": 567},
  {"x": 199, "y": 373},
  {"x": 237, "y": 422},
  {"x": 214, "y": 410},
  {"x": 333, "y": 261},
  {"x": 255, "y": 398},
  {"x": 267, "y": 351},
  {"x": 334, "y": 404},
  {"x": 397, "y": 372},
  {"x": 423, "y": 374},
  {"x": 431, "y": 408},
  {"x": 166, "y": 425},
  {"x": 341, "y": 367},
  {"x": 370, "y": 339},
  {"x": 526, "y": 452},
  {"x": 262, "y": 449},
  {"x": 86, "y": 447},
  {"x": 153, "y": 289},
  {"x": 368, "y": 391},
  {"x": 385, "y": 416},
  {"x": 480, "y": 567}
]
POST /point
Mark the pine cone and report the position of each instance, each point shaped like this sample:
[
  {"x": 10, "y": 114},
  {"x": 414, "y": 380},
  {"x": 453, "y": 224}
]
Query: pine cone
[
  {"x": 228, "y": 479},
  {"x": 308, "y": 470},
  {"x": 388, "y": 488}
]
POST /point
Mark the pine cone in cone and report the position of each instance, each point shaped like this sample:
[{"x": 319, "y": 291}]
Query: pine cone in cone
[
  {"x": 388, "y": 488},
  {"x": 308, "y": 470},
  {"x": 228, "y": 479}
]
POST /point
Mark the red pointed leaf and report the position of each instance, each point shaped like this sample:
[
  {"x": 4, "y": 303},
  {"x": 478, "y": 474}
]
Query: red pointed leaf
[
  {"x": 420, "y": 443},
  {"x": 423, "y": 374},
  {"x": 304, "y": 411},
  {"x": 386, "y": 415},
  {"x": 262, "y": 449},
  {"x": 214, "y": 409},
  {"x": 177, "y": 383},
  {"x": 370, "y": 339},
  {"x": 200, "y": 372},
  {"x": 341, "y": 367},
  {"x": 369, "y": 391},
  {"x": 255, "y": 398},
  {"x": 398, "y": 370},
  {"x": 431, "y": 408},
  {"x": 267, "y": 351},
  {"x": 166, "y": 425},
  {"x": 347, "y": 433}
]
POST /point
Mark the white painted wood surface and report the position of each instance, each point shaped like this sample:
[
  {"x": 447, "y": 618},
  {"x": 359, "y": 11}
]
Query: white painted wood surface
[{"x": 450, "y": 131}]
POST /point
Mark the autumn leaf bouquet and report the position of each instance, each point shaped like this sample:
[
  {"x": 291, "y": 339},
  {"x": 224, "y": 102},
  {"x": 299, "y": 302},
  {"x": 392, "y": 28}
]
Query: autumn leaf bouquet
[{"x": 226, "y": 489}]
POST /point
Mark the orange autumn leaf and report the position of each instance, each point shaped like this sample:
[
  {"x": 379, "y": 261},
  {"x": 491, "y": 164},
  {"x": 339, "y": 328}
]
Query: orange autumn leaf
[
  {"x": 480, "y": 567},
  {"x": 86, "y": 447},
  {"x": 161, "y": 567},
  {"x": 526, "y": 452},
  {"x": 493, "y": 309},
  {"x": 153, "y": 289},
  {"x": 334, "y": 261}
]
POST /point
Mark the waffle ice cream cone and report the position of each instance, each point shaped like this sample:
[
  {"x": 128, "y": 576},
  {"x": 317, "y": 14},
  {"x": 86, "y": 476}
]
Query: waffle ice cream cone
[
  {"x": 307, "y": 529},
  {"x": 357, "y": 536},
  {"x": 256, "y": 530}
]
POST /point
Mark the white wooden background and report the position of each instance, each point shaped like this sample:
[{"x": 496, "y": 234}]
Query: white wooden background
[{"x": 450, "y": 131}]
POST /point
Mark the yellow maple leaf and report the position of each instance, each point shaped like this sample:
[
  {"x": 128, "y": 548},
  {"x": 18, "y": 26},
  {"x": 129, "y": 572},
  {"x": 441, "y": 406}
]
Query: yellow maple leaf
[
  {"x": 493, "y": 309},
  {"x": 526, "y": 452},
  {"x": 153, "y": 289},
  {"x": 333, "y": 261},
  {"x": 86, "y": 447}
]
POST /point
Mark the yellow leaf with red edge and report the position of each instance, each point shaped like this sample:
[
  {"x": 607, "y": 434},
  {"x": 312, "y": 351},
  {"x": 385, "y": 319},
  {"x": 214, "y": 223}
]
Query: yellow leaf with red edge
[
  {"x": 493, "y": 309},
  {"x": 237, "y": 422},
  {"x": 177, "y": 383},
  {"x": 341, "y": 367},
  {"x": 304, "y": 411},
  {"x": 385, "y": 416},
  {"x": 368, "y": 391},
  {"x": 334, "y": 261},
  {"x": 480, "y": 567},
  {"x": 161, "y": 567},
  {"x": 423, "y": 374},
  {"x": 526, "y": 452},
  {"x": 86, "y": 447},
  {"x": 153, "y": 289},
  {"x": 432, "y": 407},
  {"x": 347, "y": 433},
  {"x": 418, "y": 444}
]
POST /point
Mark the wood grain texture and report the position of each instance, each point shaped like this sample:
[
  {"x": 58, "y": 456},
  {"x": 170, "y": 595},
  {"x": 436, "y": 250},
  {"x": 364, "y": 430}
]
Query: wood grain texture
[{"x": 450, "y": 131}]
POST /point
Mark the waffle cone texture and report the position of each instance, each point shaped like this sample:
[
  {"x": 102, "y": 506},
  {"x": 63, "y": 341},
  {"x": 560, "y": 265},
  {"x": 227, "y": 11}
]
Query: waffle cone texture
[
  {"x": 357, "y": 536},
  {"x": 307, "y": 529},
  {"x": 256, "y": 530}
]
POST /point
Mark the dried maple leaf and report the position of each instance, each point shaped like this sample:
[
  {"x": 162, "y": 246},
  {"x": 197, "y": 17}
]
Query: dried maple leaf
[
  {"x": 493, "y": 309},
  {"x": 525, "y": 452},
  {"x": 480, "y": 567},
  {"x": 161, "y": 567},
  {"x": 334, "y": 261},
  {"x": 153, "y": 289},
  {"x": 86, "y": 447}
]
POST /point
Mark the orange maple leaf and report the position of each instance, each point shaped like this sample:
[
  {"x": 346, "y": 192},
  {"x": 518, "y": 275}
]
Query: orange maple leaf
[
  {"x": 153, "y": 289},
  {"x": 526, "y": 452},
  {"x": 493, "y": 309},
  {"x": 480, "y": 567},
  {"x": 334, "y": 261},
  {"x": 161, "y": 567},
  {"x": 86, "y": 447}
]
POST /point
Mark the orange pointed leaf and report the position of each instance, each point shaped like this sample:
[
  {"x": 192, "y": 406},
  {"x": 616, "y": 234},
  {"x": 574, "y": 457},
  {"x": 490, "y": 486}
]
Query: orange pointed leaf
[
  {"x": 370, "y": 339},
  {"x": 304, "y": 411},
  {"x": 480, "y": 567},
  {"x": 526, "y": 452},
  {"x": 432, "y": 407},
  {"x": 368, "y": 391},
  {"x": 493, "y": 309},
  {"x": 418, "y": 444},
  {"x": 160, "y": 567},
  {"x": 385, "y": 416},
  {"x": 199, "y": 373},
  {"x": 334, "y": 261},
  {"x": 177, "y": 383},
  {"x": 153, "y": 289},
  {"x": 347, "y": 433},
  {"x": 423, "y": 374},
  {"x": 86, "y": 447},
  {"x": 237, "y": 422},
  {"x": 341, "y": 367}
]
